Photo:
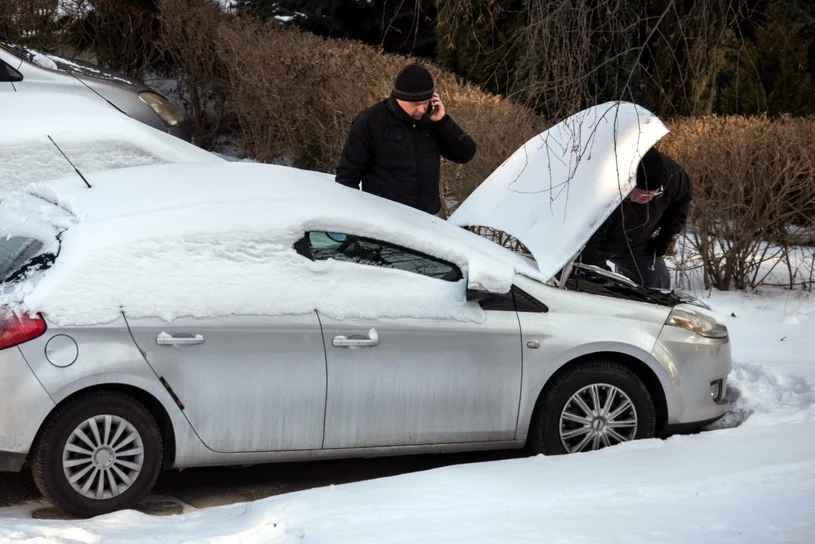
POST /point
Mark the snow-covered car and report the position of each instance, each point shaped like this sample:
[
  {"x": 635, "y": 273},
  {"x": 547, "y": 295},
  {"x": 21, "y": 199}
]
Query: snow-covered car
[
  {"x": 49, "y": 135},
  {"x": 26, "y": 70},
  {"x": 181, "y": 315}
]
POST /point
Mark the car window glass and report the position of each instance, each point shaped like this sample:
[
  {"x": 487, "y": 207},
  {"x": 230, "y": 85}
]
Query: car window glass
[
  {"x": 15, "y": 253},
  {"x": 350, "y": 248},
  {"x": 7, "y": 73}
]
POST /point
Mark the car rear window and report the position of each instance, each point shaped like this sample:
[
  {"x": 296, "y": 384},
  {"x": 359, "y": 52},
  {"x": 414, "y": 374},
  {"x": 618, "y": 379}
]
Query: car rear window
[
  {"x": 30, "y": 234},
  {"x": 16, "y": 253}
]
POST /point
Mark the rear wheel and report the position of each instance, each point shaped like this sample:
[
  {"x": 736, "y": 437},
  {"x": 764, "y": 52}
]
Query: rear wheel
[
  {"x": 592, "y": 406},
  {"x": 99, "y": 452}
]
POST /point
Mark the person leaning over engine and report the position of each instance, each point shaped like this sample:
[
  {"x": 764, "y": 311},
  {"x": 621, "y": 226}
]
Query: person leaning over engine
[{"x": 637, "y": 235}]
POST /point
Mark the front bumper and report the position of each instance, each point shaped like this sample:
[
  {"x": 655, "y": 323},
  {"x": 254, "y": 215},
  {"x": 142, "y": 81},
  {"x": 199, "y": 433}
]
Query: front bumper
[
  {"x": 696, "y": 369},
  {"x": 688, "y": 428}
]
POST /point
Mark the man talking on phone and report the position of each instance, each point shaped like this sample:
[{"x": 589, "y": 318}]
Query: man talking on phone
[{"x": 394, "y": 148}]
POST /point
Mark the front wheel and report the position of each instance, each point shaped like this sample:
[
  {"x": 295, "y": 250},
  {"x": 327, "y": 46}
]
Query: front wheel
[
  {"x": 99, "y": 452},
  {"x": 592, "y": 406}
]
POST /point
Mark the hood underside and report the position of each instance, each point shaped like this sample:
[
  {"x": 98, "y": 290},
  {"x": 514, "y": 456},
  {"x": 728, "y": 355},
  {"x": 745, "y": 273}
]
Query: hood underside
[{"x": 556, "y": 190}]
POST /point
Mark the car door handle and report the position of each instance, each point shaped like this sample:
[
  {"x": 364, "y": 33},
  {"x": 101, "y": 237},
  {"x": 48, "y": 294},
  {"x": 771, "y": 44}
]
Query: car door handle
[
  {"x": 357, "y": 341},
  {"x": 181, "y": 339}
]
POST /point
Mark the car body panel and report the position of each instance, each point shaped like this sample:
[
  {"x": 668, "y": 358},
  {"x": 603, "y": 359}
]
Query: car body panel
[
  {"x": 693, "y": 363},
  {"x": 63, "y": 76},
  {"x": 101, "y": 354},
  {"x": 426, "y": 381},
  {"x": 576, "y": 326},
  {"x": 554, "y": 192},
  {"x": 254, "y": 383},
  {"x": 25, "y": 403}
]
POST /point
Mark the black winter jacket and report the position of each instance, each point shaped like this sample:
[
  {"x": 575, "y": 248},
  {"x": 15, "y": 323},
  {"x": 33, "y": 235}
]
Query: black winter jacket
[
  {"x": 631, "y": 227},
  {"x": 398, "y": 157}
]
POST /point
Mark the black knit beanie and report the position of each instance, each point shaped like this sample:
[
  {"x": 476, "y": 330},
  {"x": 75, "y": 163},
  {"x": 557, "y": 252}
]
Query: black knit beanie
[
  {"x": 651, "y": 171},
  {"x": 413, "y": 84}
]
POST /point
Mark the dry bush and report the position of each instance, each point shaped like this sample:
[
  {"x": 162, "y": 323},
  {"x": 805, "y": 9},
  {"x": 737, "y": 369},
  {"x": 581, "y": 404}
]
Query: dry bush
[
  {"x": 116, "y": 34},
  {"x": 123, "y": 34},
  {"x": 754, "y": 182},
  {"x": 29, "y": 22},
  {"x": 187, "y": 31},
  {"x": 297, "y": 94}
]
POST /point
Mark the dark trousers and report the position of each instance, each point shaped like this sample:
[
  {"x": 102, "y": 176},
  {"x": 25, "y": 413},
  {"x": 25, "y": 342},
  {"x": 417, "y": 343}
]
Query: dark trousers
[{"x": 647, "y": 270}]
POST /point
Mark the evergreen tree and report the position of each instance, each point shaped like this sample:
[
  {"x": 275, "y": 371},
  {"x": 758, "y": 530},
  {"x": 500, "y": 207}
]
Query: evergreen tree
[
  {"x": 405, "y": 27},
  {"x": 481, "y": 40},
  {"x": 775, "y": 70}
]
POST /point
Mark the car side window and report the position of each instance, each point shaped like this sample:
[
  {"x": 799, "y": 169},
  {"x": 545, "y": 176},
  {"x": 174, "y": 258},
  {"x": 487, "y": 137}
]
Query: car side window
[
  {"x": 357, "y": 249},
  {"x": 7, "y": 73}
]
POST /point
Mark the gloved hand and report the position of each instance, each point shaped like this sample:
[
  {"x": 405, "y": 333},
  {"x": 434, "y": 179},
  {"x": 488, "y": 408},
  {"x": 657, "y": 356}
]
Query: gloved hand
[
  {"x": 659, "y": 245},
  {"x": 591, "y": 256}
]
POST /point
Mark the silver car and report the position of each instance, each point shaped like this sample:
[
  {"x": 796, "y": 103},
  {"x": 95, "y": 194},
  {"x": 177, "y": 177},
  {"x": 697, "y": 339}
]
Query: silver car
[
  {"x": 182, "y": 315},
  {"x": 27, "y": 70}
]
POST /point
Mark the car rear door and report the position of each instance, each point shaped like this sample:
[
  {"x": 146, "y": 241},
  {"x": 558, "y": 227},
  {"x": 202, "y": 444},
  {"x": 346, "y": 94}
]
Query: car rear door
[
  {"x": 246, "y": 383},
  {"x": 437, "y": 378}
]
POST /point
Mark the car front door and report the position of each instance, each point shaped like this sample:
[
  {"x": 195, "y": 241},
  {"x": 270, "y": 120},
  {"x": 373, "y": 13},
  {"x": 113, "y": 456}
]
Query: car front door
[
  {"x": 398, "y": 381},
  {"x": 246, "y": 383}
]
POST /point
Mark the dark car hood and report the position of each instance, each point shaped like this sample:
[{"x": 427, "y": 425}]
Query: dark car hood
[{"x": 597, "y": 281}]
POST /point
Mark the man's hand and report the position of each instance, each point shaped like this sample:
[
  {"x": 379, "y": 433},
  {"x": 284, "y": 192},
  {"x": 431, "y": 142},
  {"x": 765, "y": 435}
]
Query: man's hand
[
  {"x": 661, "y": 246},
  {"x": 437, "y": 108}
]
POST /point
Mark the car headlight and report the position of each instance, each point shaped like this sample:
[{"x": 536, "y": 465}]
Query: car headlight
[
  {"x": 697, "y": 322},
  {"x": 166, "y": 111}
]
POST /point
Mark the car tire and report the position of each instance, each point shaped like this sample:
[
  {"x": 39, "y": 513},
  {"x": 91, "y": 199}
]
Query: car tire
[
  {"x": 99, "y": 452},
  {"x": 573, "y": 413}
]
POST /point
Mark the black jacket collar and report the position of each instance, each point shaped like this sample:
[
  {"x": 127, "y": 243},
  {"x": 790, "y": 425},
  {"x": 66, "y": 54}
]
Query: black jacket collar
[{"x": 393, "y": 107}]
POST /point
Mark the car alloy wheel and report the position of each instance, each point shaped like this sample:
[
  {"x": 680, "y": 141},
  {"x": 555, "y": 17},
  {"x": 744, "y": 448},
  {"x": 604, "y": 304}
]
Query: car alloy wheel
[
  {"x": 98, "y": 452},
  {"x": 103, "y": 456},
  {"x": 589, "y": 406},
  {"x": 595, "y": 417}
]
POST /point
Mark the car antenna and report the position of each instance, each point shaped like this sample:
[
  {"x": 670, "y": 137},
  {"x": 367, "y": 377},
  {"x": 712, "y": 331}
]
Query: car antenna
[
  {"x": 94, "y": 91},
  {"x": 69, "y": 161}
]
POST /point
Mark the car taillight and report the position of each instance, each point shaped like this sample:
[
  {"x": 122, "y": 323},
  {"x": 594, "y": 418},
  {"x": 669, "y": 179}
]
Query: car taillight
[{"x": 18, "y": 328}]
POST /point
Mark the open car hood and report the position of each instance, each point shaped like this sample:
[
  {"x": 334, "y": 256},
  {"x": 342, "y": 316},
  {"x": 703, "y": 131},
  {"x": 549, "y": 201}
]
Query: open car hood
[{"x": 556, "y": 190}]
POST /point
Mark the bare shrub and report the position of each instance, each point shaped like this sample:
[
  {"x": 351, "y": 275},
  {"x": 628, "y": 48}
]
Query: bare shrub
[
  {"x": 754, "y": 193},
  {"x": 296, "y": 96},
  {"x": 121, "y": 34},
  {"x": 188, "y": 28},
  {"x": 29, "y": 22}
]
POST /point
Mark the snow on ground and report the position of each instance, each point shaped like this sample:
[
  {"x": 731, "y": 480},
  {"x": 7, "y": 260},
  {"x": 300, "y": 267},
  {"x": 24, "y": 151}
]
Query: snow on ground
[{"x": 751, "y": 480}]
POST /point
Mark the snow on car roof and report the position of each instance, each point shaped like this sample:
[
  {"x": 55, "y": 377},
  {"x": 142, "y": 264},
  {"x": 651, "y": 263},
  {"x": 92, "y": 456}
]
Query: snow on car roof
[{"x": 208, "y": 240}]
